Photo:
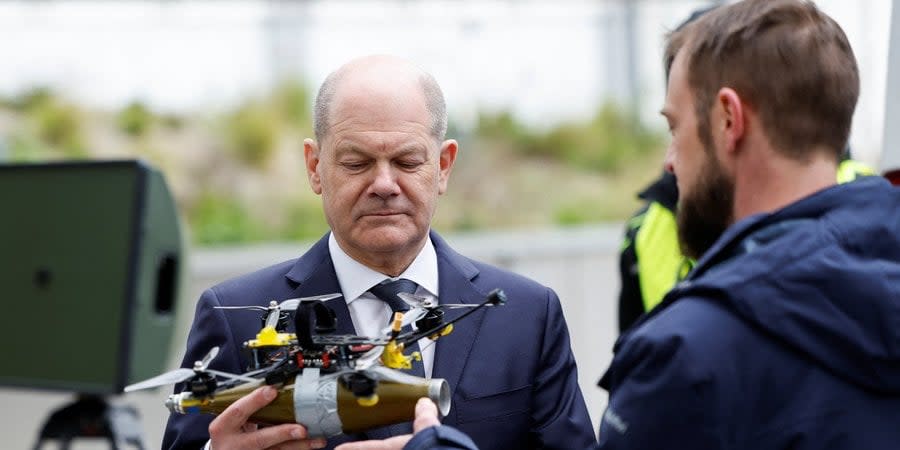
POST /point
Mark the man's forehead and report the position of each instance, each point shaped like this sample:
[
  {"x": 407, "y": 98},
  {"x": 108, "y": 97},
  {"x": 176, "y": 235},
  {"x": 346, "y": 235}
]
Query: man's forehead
[
  {"x": 379, "y": 100},
  {"x": 355, "y": 136}
]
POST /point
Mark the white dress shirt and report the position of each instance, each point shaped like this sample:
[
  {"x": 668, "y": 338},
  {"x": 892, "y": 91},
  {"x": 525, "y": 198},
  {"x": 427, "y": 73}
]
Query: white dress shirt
[{"x": 370, "y": 315}]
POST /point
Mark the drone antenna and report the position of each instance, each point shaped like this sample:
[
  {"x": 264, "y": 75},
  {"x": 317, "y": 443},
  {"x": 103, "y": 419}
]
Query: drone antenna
[{"x": 494, "y": 298}]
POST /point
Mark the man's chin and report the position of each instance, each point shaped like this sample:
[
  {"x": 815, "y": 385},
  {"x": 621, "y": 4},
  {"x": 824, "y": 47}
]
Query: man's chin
[{"x": 386, "y": 239}]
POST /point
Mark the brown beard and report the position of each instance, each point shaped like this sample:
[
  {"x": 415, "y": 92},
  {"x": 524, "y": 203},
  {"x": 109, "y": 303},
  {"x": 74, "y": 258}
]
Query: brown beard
[{"x": 706, "y": 213}]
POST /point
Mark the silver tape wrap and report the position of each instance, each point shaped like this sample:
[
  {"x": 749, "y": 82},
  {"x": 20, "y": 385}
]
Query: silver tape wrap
[{"x": 315, "y": 403}]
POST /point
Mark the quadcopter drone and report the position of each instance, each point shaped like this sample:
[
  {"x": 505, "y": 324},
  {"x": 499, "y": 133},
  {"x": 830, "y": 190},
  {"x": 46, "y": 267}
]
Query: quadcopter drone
[{"x": 322, "y": 369}]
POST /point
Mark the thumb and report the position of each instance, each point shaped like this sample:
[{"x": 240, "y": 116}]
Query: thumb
[{"x": 426, "y": 415}]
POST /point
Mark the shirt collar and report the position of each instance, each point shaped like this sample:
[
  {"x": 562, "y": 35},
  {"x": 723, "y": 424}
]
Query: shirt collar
[{"x": 355, "y": 278}]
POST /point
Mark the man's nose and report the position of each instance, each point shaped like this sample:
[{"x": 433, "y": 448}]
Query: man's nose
[
  {"x": 669, "y": 162},
  {"x": 385, "y": 182}
]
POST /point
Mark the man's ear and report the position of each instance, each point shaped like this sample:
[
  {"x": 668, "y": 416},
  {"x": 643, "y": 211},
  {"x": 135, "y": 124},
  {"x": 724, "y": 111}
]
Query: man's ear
[
  {"x": 733, "y": 110},
  {"x": 447, "y": 158},
  {"x": 311, "y": 155}
]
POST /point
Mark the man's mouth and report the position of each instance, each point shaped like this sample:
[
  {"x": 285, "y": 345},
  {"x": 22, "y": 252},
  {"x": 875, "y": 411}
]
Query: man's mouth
[{"x": 383, "y": 213}]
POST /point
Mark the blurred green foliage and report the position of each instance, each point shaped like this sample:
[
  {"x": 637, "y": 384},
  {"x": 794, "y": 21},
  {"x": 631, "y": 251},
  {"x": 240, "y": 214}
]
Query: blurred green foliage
[
  {"x": 239, "y": 176},
  {"x": 135, "y": 119},
  {"x": 51, "y": 127},
  {"x": 304, "y": 220},
  {"x": 603, "y": 143},
  {"x": 253, "y": 134},
  {"x": 293, "y": 102},
  {"x": 254, "y": 130},
  {"x": 222, "y": 219}
]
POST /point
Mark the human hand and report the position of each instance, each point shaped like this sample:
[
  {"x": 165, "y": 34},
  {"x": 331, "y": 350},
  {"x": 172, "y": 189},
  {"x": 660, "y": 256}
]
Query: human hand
[
  {"x": 231, "y": 431},
  {"x": 426, "y": 416}
]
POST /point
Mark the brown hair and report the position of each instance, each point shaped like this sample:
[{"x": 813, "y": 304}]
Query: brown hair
[{"x": 787, "y": 60}]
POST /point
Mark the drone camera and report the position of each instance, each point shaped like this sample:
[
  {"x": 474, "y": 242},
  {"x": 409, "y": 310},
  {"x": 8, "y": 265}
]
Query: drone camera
[{"x": 313, "y": 318}]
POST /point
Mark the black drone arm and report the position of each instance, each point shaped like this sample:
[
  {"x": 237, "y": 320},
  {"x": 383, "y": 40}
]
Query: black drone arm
[{"x": 494, "y": 298}]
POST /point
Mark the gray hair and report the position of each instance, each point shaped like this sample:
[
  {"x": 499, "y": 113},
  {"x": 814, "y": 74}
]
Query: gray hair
[{"x": 434, "y": 103}]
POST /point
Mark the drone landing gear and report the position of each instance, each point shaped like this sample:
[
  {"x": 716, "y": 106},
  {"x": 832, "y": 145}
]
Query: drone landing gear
[{"x": 92, "y": 417}]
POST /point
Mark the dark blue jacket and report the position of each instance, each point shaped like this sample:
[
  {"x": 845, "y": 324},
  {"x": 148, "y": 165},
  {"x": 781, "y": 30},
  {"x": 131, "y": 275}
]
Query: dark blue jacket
[{"x": 785, "y": 335}]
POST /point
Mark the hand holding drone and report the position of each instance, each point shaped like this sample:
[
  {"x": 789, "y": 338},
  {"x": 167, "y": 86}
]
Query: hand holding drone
[{"x": 329, "y": 383}]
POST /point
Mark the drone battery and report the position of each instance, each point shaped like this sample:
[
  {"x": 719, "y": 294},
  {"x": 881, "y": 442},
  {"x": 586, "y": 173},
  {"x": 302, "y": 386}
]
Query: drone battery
[{"x": 90, "y": 256}]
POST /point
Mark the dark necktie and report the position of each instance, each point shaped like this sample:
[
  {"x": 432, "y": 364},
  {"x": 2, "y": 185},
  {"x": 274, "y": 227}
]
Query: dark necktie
[{"x": 387, "y": 292}]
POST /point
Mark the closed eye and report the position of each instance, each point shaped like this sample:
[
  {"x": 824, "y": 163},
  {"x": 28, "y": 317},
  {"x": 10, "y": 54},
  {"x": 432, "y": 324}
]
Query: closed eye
[
  {"x": 409, "y": 164},
  {"x": 354, "y": 165}
]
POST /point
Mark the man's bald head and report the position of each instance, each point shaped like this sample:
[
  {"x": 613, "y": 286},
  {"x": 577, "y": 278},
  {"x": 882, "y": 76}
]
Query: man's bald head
[{"x": 386, "y": 75}]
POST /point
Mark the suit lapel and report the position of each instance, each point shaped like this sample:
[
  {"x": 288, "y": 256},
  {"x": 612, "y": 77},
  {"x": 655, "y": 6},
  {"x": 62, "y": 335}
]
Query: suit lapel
[
  {"x": 455, "y": 275},
  {"x": 314, "y": 274}
]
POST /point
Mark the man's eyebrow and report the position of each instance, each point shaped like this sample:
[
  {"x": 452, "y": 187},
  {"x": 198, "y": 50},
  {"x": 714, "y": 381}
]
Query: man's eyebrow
[
  {"x": 346, "y": 149},
  {"x": 411, "y": 148},
  {"x": 353, "y": 149}
]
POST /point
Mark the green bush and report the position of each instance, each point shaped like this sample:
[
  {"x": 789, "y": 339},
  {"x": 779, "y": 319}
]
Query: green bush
[
  {"x": 135, "y": 119},
  {"x": 499, "y": 125},
  {"x": 59, "y": 126},
  {"x": 304, "y": 221},
  {"x": 24, "y": 147},
  {"x": 577, "y": 212},
  {"x": 603, "y": 144},
  {"x": 47, "y": 126},
  {"x": 253, "y": 135},
  {"x": 217, "y": 218},
  {"x": 293, "y": 102},
  {"x": 33, "y": 98}
]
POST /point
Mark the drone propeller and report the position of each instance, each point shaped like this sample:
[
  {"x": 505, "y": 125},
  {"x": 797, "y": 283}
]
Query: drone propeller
[
  {"x": 291, "y": 304},
  {"x": 204, "y": 363},
  {"x": 184, "y": 374},
  {"x": 175, "y": 376},
  {"x": 368, "y": 358},
  {"x": 275, "y": 309}
]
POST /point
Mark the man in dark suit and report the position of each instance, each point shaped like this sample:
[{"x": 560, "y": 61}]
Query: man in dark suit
[{"x": 379, "y": 162}]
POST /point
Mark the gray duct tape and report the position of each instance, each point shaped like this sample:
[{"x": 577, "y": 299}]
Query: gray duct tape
[{"x": 315, "y": 403}]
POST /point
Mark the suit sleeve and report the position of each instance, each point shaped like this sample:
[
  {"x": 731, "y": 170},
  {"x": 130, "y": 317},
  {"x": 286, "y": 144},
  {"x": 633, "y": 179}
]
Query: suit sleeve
[
  {"x": 209, "y": 329},
  {"x": 443, "y": 437},
  {"x": 658, "y": 398},
  {"x": 559, "y": 415}
]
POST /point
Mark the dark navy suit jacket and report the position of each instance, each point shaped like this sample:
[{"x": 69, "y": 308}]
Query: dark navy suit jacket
[{"x": 510, "y": 369}]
